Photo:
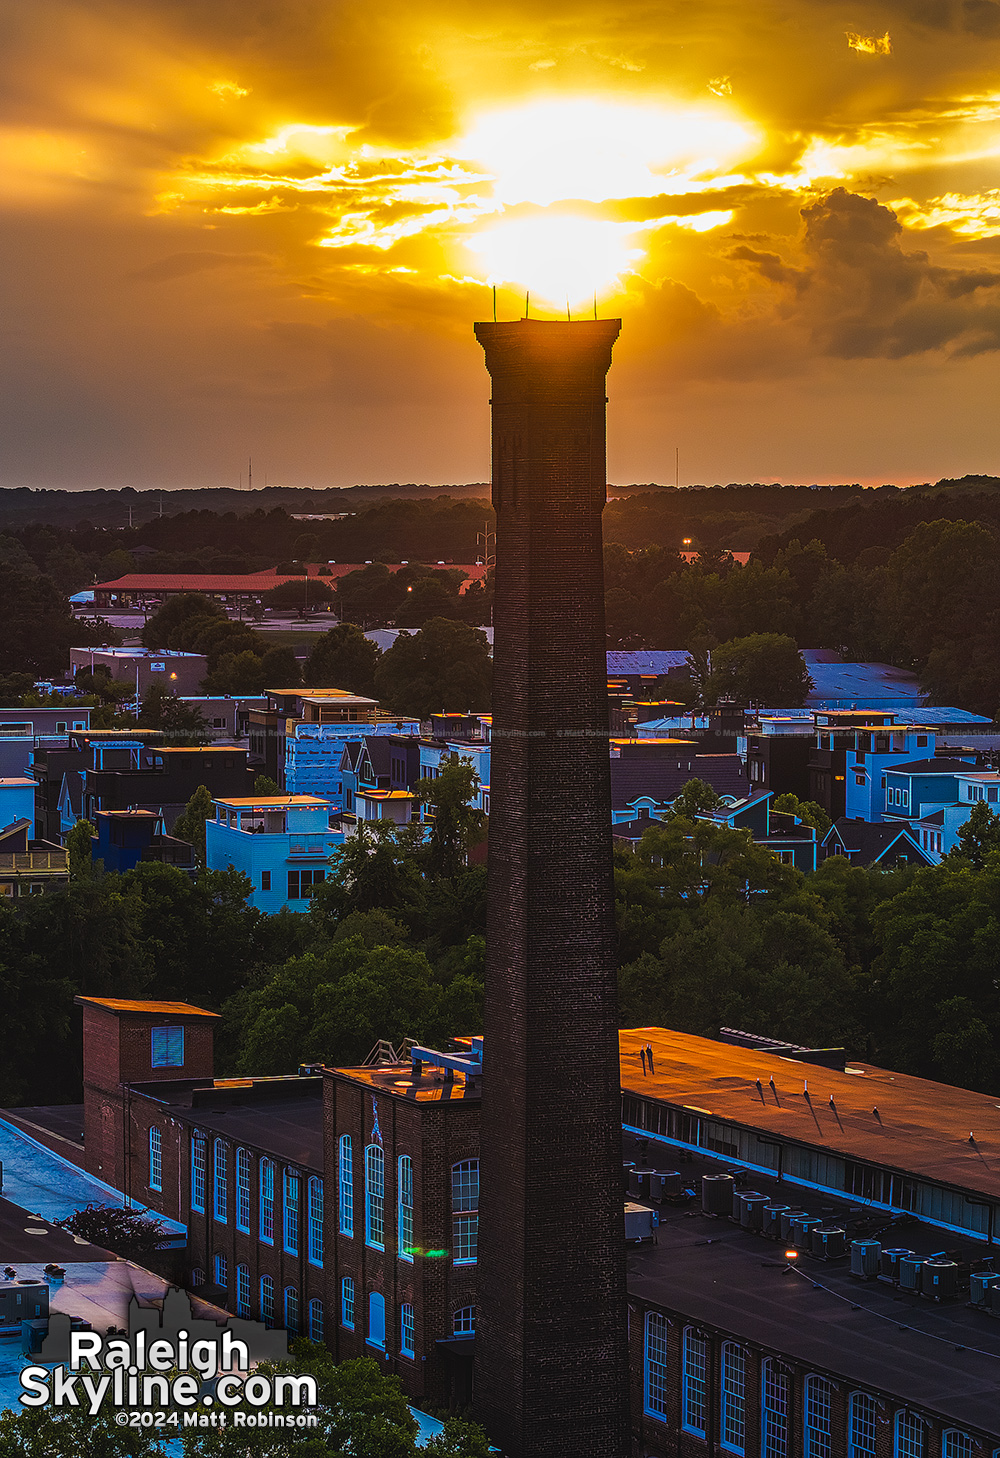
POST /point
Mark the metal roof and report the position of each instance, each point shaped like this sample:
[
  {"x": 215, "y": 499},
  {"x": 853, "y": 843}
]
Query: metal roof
[
  {"x": 154, "y": 1009},
  {"x": 647, "y": 660}
]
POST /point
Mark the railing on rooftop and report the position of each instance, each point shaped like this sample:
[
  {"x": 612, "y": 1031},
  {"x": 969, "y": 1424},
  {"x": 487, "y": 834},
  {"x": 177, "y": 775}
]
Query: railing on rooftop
[{"x": 35, "y": 861}]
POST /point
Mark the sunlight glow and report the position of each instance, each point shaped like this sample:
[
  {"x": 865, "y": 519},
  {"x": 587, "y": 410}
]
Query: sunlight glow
[{"x": 560, "y": 258}]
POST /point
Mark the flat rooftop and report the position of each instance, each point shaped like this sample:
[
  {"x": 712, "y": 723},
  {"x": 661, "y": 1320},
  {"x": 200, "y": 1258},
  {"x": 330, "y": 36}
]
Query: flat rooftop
[
  {"x": 154, "y": 1009},
  {"x": 937, "y": 1356},
  {"x": 271, "y": 802},
  {"x": 282, "y": 1116},
  {"x": 921, "y": 1128},
  {"x": 396, "y": 1080}
]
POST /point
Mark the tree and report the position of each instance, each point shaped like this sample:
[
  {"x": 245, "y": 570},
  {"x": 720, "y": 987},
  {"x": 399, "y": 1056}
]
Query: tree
[
  {"x": 71, "y": 1432},
  {"x": 302, "y": 593},
  {"x": 763, "y": 668},
  {"x": 434, "y": 596},
  {"x": 79, "y": 845},
  {"x": 344, "y": 658},
  {"x": 444, "y": 666},
  {"x": 236, "y": 673},
  {"x": 279, "y": 669},
  {"x": 695, "y": 798},
  {"x": 161, "y": 710},
  {"x": 459, "y": 1439},
  {"x": 124, "y": 1232},
  {"x": 806, "y": 810},
  {"x": 38, "y": 627},
  {"x": 979, "y": 837},
  {"x": 176, "y": 611},
  {"x": 265, "y": 786},
  {"x": 457, "y": 824},
  {"x": 190, "y": 824}
]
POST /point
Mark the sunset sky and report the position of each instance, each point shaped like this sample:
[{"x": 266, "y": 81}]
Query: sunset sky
[{"x": 237, "y": 227}]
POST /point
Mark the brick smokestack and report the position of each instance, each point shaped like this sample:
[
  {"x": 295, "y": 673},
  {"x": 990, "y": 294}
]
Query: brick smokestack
[{"x": 551, "y": 1361}]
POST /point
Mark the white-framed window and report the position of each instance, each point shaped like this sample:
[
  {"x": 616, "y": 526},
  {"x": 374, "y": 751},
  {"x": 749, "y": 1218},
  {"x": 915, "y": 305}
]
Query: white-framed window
[
  {"x": 818, "y": 1418},
  {"x": 166, "y": 1048},
  {"x": 376, "y": 1320},
  {"x": 465, "y": 1212},
  {"x": 463, "y": 1322},
  {"x": 267, "y": 1300},
  {"x": 291, "y": 1309},
  {"x": 694, "y": 1382},
  {"x": 733, "y": 1434},
  {"x": 221, "y": 1181},
  {"x": 290, "y": 1205},
  {"x": 774, "y": 1411},
  {"x": 199, "y": 1165},
  {"x": 155, "y": 1159},
  {"x": 861, "y": 1425},
  {"x": 908, "y": 1435},
  {"x": 242, "y": 1290},
  {"x": 314, "y": 1196},
  {"x": 375, "y": 1197},
  {"x": 347, "y": 1302},
  {"x": 346, "y": 1173},
  {"x": 197, "y": 1276},
  {"x": 221, "y": 1271},
  {"x": 655, "y": 1376},
  {"x": 315, "y": 1320},
  {"x": 407, "y": 1329},
  {"x": 955, "y": 1444},
  {"x": 404, "y": 1208},
  {"x": 266, "y": 1228},
  {"x": 243, "y": 1189}
]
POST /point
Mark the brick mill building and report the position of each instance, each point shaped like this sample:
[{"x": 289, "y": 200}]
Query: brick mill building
[{"x": 344, "y": 1204}]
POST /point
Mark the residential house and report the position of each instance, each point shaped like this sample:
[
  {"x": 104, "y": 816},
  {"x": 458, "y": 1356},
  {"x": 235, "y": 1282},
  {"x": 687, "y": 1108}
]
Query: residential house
[
  {"x": 281, "y": 843},
  {"x": 126, "y": 837},
  {"x": 28, "y": 867},
  {"x": 648, "y": 774},
  {"x": 387, "y": 772},
  {"x": 881, "y": 844},
  {"x": 296, "y": 739},
  {"x": 936, "y": 797},
  {"x": 786, "y": 836}
]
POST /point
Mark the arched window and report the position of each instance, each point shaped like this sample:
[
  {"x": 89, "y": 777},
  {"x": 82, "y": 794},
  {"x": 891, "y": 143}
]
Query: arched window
[
  {"x": 291, "y": 1211},
  {"x": 155, "y": 1159},
  {"x": 956, "y": 1444},
  {"x": 734, "y": 1398},
  {"x": 221, "y": 1271},
  {"x": 694, "y": 1382},
  {"x": 375, "y": 1197},
  {"x": 909, "y": 1435},
  {"x": 199, "y": 1163},
  {"x": 463, "y": 1323},
  {"x": 267, "y": 1201},
  {"x": 376, "y": 1320},
  {"x": 655, "y": 1377},
  {"x": 465, "y": 1212},
  {"x": 315, "y": 1320},
  {"x": 404, "y": 1208},
  {"x": 347, "y": 1302},
  {"x": 406, "y": 1329},
  {"x": 346, "y": 1172},
  {"x": 817, "y": 1418},
  {"x": 221, "y": 1181},
  {"x": 243, "y": 1189},
  {"x": 861, "y": 1425},
  {"x": 315, "y": 1220},
  {"x": 242, "y": 1290},
  {"x": 291, "y": 1309},
  {"x": 267, "y": 1300},
  {"x": 774, "y": 1411},
  {"x": 197, "y": 1276}
]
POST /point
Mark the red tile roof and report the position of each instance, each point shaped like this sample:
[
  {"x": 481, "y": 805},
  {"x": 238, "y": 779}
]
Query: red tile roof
[{"x": 257, "y": 581}]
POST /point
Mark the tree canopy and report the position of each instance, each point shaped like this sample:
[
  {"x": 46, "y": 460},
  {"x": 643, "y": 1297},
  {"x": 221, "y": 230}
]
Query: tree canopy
[
  {"x": 343, "y": 658},
  {"x": 446, "y": 665}
]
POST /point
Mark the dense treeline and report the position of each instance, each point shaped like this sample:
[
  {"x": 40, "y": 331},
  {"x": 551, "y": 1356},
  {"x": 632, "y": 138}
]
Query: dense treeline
[{"x": 898, "y": 966}]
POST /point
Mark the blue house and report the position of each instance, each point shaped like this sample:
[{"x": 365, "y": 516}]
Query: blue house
[
  {"x": 126, "y": 837},
  {"x": 936, "y": 798},
  {"x": 17, "y": 803},
  {"x": 281, "y": 842}
]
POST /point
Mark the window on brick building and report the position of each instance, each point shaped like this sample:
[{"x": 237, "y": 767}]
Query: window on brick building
[
  {"x": 347, "y": 1302},
  {"x": 155, "y": 1160},
  {"x": 221, "y": 1181},
  {"x": 375, "y": 1197},
  {"x": 956, "y": 1444},
  {"x": 861, "y": 1426},
  {"x": 346, "y": 1175},
  {"x": 404, "y": 1208},
  {"x": 291, "y": 1309},
  {"x": 818, "y": 1418},
  {"x": 315, "y": 1220},
  {"x": 407, "y": 1329},
  {"x": 197, "y": 1276},
  {"x": 376, "y": 1320},
  {"x": 463, "y": 1323},
  {"x": 267, "y": 1300},
  {"x": 221, "y": 1271},
  {"x": 774, "y": 1411},
  {"x": 909, "y": 1435},
  {"x": 733, "y": 1433},
  {"x": 290, "y": 1205},
  {"x": 315, "y": 1320},
  {"x": 267, "y": 1201},
  {"x": 465, "y": 1212},
  {"x": 242, "y": 1290},
  {"x": 243, "y": 1189},
  {"x": 199, "y": 1163},
  {"x": 166, "y": 1047},
  {"x": 694, "y": 1382},
  {"x": 655, "y": 1374}
]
